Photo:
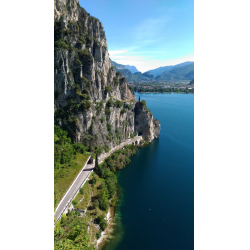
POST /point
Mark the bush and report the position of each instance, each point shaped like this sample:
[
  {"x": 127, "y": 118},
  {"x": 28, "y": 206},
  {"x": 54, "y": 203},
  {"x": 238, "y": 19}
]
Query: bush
[
  {"x": 103, "y": 225},
  {"x": 95, "y": 204},
  {"x": 118, "y": 104},
  {"x": 123, "y": 111},
  {"x": 74, "y": 202},
  {"x": 128, "y": 106},
  {"x": 110, "y": 102},
  {"x": 102, "y": 119},
  {"x": 81, "y": 190},
  {"x": 98, "y": 235},
  {"x": 94, "y": 180},
  {"x": 107, "y": 111},
  {"x": 108, "y": 89},
  {"x": 143, "y": 103},
  {"x": 109, "y": 126}
]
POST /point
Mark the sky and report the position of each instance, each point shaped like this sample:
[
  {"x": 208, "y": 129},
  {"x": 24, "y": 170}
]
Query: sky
[{"x": 146, "y": 33}]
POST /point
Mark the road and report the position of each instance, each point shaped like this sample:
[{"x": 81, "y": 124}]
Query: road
[
  {"x": 83, "y": 176},
  {"x": 73, "y": 189}
]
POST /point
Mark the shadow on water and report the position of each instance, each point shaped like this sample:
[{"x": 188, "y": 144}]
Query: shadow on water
[
  {"x": 142, "y": 155},
  {"x": 116, "y": 236}
]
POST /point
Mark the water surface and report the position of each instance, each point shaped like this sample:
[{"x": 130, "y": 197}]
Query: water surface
[{"x": 157, "y": 201}]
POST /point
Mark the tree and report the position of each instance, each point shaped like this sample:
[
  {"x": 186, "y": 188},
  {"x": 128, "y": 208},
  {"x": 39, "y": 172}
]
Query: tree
[
  {"x": 96, "y": 161},
  {"x": 95, "y": 204}
]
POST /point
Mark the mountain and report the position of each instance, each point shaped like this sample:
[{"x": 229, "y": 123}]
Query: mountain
[
  {"x": 120, "y": 67},
  {"x": 84, "y": 74},
  {"x": 160, "y": 70},
  {"x": 185, "y": 72},
  {"x": 94, "y": 112},
  {"x": 133, "y": 69}
]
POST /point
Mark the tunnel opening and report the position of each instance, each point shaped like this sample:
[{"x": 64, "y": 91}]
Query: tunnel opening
[{"x": 140, "y": 133}]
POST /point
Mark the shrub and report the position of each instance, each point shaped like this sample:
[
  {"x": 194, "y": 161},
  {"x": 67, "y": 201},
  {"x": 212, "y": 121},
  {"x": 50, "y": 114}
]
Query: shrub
[
  {"x": 94, "y": 180},
  {"x": 123, "y": 111},
  {"x": 98, "y": 235},
  {"x": 143, "y": 102},
  {"x": 81, "y": 190},
  {"x": 110, "y": 102},
  {"x": 128, "y": 106},
  {"x": 103, "y": 225},
  {"x": 108, "y": 89},
  {"x": 118, "y": 104},
  {"x": 107, "y": 111},
  {"x": 109, "y": 126},
  {"x": 74, "y": 202},
  {"x": 95, "y": 204},
  {"x": 116, "y": 82},
  {"x": 102, "y": 119}
]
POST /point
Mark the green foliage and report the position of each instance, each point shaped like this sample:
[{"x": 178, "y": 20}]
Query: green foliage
[
  {"x": 99, "y": 150},
  {"x": 109, "y": 126},
  {"x": 112, "y": 68},
  {"x": 95, "y": 204},
  {"x": 60, "y": 44},
  {"x": 116, "y": 81},
  {"x": 110, "y": 102},
  {"x": 143, "y": 102},
  {"x": 102, "y": 120},
  {"x": 107, "y": 111},
  {"x": 64, "y": 150},
  {"x": 86, "y": 105},
  {"x": 98, "y": 107},
  {"x": 98, "y": 235},
  {"x": 123, "y": 111},
  {"x": 128, "y": 106},
  {"x": 118, "y": 104},
  {"x": 81, "y": 190},
  {"x": 74, "y": 202},
  {"x": 108, "y": 89}
]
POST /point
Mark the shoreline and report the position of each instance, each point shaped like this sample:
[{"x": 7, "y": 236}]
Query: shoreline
[{"x": 107, "y": 232}]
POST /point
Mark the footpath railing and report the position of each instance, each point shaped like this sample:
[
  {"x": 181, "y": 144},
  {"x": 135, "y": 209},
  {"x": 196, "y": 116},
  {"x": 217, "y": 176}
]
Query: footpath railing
[
  {"x": 66, "y": 206},
  {"x": 72, "y": 186}
]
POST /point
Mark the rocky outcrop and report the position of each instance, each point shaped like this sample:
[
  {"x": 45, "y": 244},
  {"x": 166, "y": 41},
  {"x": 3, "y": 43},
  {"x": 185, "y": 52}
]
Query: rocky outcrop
[
  {"x": 144, "y": 122},
  {"x": 92, "y": 101},
  {"x": 157, "y": 128}
]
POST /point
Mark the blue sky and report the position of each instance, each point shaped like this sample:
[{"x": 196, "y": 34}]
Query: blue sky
[{"x": 146, "y": 33}]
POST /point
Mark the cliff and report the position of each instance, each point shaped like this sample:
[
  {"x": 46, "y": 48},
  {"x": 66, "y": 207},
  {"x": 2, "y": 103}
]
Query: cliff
[{"x": 92, "y": 101}]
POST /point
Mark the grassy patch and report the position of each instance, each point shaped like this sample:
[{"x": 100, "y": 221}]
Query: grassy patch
[{"x": 66, "y": 174}]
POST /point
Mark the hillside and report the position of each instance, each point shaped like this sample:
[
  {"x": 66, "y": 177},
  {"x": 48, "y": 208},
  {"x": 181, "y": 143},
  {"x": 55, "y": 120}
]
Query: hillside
[
  {"x": 160, "y": 70},
  {"x": 185, "y": 72},
  {"x": 94, "y": 111}
]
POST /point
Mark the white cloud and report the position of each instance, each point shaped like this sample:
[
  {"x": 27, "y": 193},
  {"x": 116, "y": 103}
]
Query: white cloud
[{"x": 116, "y": 52}]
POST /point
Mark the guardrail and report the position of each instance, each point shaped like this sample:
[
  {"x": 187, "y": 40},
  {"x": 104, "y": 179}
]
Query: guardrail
[{"x": 74, "y": 195}]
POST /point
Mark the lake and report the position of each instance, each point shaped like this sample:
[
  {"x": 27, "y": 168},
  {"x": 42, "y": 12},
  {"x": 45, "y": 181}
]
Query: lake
[{"x": 156, "y": 210}]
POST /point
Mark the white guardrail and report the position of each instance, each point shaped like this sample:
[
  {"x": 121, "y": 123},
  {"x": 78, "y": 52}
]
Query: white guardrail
[{"x": 75, "y": 192}]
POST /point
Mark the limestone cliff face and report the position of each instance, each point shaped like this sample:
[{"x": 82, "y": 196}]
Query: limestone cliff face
[
  {"x": 145, "y": 125},
  {"x": 92, "y": 101}
]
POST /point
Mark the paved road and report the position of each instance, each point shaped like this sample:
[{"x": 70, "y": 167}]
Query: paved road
[
  {"x": 129, "y": 141},
  {"x": 71, "y": 192},
  {"x": 84, "y": 174}
]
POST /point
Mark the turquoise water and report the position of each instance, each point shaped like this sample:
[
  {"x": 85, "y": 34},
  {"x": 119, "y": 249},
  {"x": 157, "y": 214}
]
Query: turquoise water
[{"x": 157, "y": 188}]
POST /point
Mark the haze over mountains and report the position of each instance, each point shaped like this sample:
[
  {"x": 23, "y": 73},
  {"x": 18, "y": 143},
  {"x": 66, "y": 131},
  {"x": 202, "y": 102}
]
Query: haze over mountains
[
  {"x": 159, "y": 71},
  {"x": 182, "y": 71}
]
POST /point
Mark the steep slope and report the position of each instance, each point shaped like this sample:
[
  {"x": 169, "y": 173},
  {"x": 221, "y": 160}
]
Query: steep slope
[
  {"x": 178, "y": 73},
  {"x": 133, "y": 69},
  {"x": 160, "y": 70},
  {"x": 92, "y": 101}
]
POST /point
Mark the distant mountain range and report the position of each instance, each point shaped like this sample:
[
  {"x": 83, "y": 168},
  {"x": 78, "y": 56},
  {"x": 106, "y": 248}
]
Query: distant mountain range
[
  {"x": 185, "y": 72},
  {"x": 159, "y": 71},
  {"x": 182, "y": 71}
]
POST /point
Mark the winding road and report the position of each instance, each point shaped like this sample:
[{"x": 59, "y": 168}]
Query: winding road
[{"x": 83, "y": 175}]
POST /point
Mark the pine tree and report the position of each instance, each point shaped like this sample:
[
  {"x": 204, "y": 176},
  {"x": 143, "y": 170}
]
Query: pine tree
[{"x": 96, "y": 161}]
